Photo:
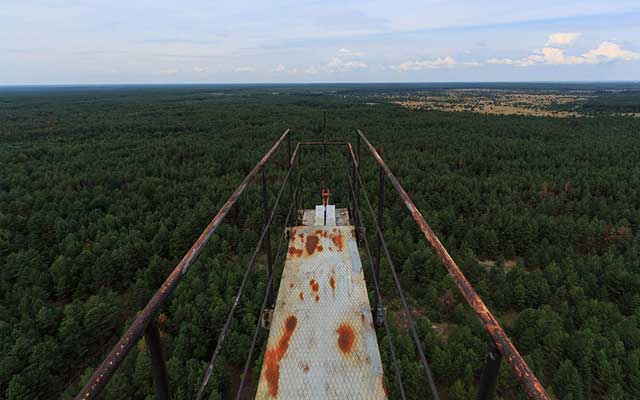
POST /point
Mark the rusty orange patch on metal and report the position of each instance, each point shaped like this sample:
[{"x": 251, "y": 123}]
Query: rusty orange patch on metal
[
  {"x": 312, "y": 242},
  {"x": 332, "y": 282},
  {"x": 315, "y": 286},
  {"x": 305, "y": 368},
  {"x": 384, "y": 386},
  {"x": 301, "y": 295},
  {"x": 293, "y": 252},
  {"x": 274, "y": 355},
  {"x": 346, "y": 337},
  {"x": 337, "y": 240},
  {"x": 319, "y": 248},
  {"x": 291, "y": 285}
]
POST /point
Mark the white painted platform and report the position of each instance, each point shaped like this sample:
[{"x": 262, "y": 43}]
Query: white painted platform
[{"x": 322, "y": 344}]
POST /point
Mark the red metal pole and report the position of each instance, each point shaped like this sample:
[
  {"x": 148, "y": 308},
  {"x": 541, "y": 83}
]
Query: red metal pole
[{"x": 531, "y": 384}]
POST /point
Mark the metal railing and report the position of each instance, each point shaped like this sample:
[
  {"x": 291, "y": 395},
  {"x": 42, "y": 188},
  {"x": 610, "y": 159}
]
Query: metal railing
[
  {"x": 144, "y": 324},
  {"x": 503, "y": 345}
]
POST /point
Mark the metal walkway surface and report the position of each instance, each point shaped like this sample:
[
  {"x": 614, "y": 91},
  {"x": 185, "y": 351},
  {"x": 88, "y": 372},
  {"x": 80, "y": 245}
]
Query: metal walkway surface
[{"x": 322, "y": 344}]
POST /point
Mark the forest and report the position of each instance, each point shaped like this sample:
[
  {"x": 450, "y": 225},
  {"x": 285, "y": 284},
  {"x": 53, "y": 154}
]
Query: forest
[{"x": 104, "y": 189}]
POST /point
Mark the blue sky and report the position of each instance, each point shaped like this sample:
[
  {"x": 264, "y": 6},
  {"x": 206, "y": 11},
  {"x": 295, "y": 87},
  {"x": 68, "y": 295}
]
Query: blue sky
[{"x": 98, "y": 41}]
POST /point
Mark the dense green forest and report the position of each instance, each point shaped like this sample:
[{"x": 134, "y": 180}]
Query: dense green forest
[{"x": 102, "y": 190}]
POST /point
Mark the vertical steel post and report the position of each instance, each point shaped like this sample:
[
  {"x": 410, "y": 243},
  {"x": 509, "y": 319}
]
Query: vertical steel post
[
  {"x": 267, "y": 239},
  {"x": 489, "y": 375},
  {"x": 158, "y": 368}
]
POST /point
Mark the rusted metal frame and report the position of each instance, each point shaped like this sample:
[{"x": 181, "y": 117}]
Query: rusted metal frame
[
  {"x": 490, "y": 369},
  {"x": 158, "y": 367},
  {"x": 403, "y": 300},
  {"x": 378, "y": 300},
  {"x": 223, "y": 332},
  {"x": 267, "y": 239},
  {"x": 331, "y": 143},
  {"x": 527, "y": 378},
  {"x": 264, "y": 302},
  {"x": 112, "y": 362}
]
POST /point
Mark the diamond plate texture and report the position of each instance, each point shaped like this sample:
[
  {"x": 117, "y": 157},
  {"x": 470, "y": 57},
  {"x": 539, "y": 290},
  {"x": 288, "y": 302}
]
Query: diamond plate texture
[{"x": 322, "y": 344}]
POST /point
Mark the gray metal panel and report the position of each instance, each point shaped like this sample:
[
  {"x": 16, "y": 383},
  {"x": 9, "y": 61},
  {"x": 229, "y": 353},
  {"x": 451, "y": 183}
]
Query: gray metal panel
[{"x": 322, "y": 344}]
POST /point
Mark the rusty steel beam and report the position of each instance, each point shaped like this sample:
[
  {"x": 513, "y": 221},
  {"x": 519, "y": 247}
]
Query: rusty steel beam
[
  {"x": 105, "y": 371},
  {"x": 335, "y": 142},
  {"x": 531, "y": 384},
  {"x": 353, "y": 156}
]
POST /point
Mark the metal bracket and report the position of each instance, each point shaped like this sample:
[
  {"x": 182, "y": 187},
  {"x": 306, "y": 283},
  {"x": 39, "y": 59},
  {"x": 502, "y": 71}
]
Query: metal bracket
[{"x": 267, "y": 316}]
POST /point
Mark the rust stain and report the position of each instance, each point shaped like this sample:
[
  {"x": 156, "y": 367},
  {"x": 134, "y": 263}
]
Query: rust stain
[
  {"x": 337, "y": 240},
  {"x": 362, "y": 317},
  {"x": 315, "y": 286},
  {"x": 293, "y": 252},
  {"x": 301, "y": 295},
  {"x": 320, "y": 232},
  {"x": 274, "y": 355},
  {"x": 319, "y": 248},
  {"x": 332, "y": 282},
  {"x": 305, "y": 368},
  {"x": 384, "y": 386},
  {"x": 312, "y": 242},
  {"x": 346, "y": 338},
  {"x": 291, "y": 285}
]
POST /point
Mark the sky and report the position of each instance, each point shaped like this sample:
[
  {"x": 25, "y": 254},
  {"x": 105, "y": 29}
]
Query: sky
[{"x": 282, "y": 41}]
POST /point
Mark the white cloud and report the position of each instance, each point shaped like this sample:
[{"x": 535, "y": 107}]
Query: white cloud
[
  {"x": 245, "y": 69},
  {"x": 472, "y": 64},
  {"x": 340, "y": 64},
  {"x": 446, "y": 62},
  {"x": 605, "y": 52},
  {"x": 611, "y": 51},
  {"x": 563, "y": 38},
  {"x": 345, "y": 60},
  {"x": 279, "y": 68},
  {"x": 199, "y": 69}
]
